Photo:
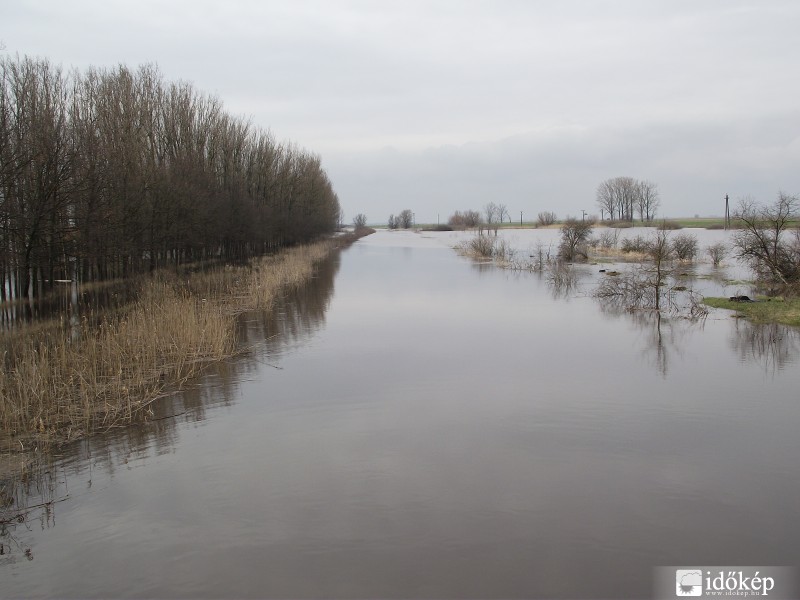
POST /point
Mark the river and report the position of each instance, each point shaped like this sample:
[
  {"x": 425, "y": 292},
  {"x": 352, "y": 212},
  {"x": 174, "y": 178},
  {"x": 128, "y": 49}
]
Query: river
[{"x": 412, "y": 424}]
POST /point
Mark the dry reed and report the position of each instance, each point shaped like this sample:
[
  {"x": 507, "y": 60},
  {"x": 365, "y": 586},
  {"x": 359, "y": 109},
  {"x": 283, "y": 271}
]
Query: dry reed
[{"x": 63, "y": 386}]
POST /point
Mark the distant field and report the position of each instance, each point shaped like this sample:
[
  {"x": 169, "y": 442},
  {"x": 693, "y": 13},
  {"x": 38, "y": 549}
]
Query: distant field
[{"x": 694, "y": 222}]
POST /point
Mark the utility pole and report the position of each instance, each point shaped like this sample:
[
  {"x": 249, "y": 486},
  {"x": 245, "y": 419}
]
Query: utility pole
[
  {"x": 727, "y": 213},
  {"x": 520, "y": 218},
  {"x": 584, "y": 215}
]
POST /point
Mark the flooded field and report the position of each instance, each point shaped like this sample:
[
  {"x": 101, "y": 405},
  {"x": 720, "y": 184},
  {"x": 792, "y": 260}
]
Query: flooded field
[{"x": 413, "y": 424}]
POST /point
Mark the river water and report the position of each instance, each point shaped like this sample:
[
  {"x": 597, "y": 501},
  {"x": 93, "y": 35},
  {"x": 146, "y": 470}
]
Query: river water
[{"x": 416, "y": 425}]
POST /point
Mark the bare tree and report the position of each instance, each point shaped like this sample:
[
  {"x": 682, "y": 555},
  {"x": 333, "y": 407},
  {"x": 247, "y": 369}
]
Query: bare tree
[
  {"x": 112, "y": 172},
  {"x": 762, "y": 241},
  {"x": 491, "y": 213},
  {"x": 469, "y": 218},
  {"x": 606, "y": 198},
  {"x": 660, "y": 252},
  {"x": 405, "y": 219},
  {"x": 645, "y": 286},
  {"x": 546, "y": 218},
  {"x": 717, "y": 252},
  {"x": 472, "y": 218},
  {"x": 684, "y": 246},
  {"x": 502, "y": 213},
  {"x": 622, "y": 197},
  {"x": 360, "y": 221},
  {"x": 647, "y": 199},
  {"x": 574, "y": 239}
]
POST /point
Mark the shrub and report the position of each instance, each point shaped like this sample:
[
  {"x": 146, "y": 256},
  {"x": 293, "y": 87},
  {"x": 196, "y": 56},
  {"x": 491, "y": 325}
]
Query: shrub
[
  {"x": 546, "y": 218},
  {"x": 667, "y": 225},
  {"x": 717, "y": 252},
  {"x": 574, "y": 239},
  {"x": 636, "y": 244},
  {"x": 608, "y": 239},
  {"x": 620, "y": 224},
  {"x": 684, "y": 245},
  {"x": 488, "y": 246},
  {"x": 469, "y": 218}
]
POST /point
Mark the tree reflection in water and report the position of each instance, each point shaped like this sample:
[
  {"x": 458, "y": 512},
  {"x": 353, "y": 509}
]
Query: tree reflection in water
[
  {"x": 771, "y": 345},
  {"x": 32, "y": 485}
]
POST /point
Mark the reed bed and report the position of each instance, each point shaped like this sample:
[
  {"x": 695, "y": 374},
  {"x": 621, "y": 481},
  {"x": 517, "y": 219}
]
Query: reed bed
[{"x": 59, "y": 384}]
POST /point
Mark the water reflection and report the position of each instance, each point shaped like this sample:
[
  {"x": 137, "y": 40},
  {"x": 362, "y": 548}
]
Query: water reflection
[
  {"x": 32, "y": 488},
  {"x": 298, "y": 314},
  {"x": 772, "y": 346},
  {"x": 449, "y": 433},
  {"x": 68, "y": 302},
  {"x": 662, "y": 338}
]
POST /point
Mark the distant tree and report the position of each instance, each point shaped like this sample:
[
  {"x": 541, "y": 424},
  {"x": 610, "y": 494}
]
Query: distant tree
[
  {"x": 491, "y": 213},
  {"x": 360, "y": 221},
  {"x": 392, "y": 222},
  {"x": 620, "y": 198},
  {"x": 647, "y": 200},
  {"x": 546, "y": 218},
  {"x": 472, "y": 218},
  {"x": 763, "y": 241},
  {"x": 469, "y": 218},
  {"x": 606, "y": 198},
  {"x": 502, "y": 213},
  {"x": 459, "y": 220},
  {"x": 574, "y": 239},
  {"x": 405, "y": 219}
]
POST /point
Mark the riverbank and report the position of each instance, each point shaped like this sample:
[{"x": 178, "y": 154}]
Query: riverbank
[
  {"x": 58, "y": 385},
  {"x": 785, "y": 311}
]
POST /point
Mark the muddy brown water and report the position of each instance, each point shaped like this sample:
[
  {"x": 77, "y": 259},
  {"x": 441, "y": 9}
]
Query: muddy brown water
[{"x": 413, "y": 425}]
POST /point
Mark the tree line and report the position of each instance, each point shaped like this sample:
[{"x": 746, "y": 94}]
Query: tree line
[
  {"x": 622, "y": 198},
  {"x": 111, "y": 172},
  {"x": 404, "y": 220}
]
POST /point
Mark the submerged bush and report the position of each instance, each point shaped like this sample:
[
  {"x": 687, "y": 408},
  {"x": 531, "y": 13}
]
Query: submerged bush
[
  {"x": 635, "y": 244},
  {"x": 488, "y": 246},
  {"x": 574, "y": 239},
  {"x": 607, "y": 240},
  {"x": 684, "y": 245},
  {"x": 469, "y": 218},
  {"x": 717, "y": 252},
  {"x": 764, "y": 241}
]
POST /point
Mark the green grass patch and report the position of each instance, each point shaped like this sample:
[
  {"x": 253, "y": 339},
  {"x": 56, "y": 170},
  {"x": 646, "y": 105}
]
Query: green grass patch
[
  {"x": 765, "y": 310},
  {"x": 717, "y": 222}
]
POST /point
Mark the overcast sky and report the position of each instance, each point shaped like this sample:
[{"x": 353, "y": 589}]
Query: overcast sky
[{"x": 444, "y": 105}]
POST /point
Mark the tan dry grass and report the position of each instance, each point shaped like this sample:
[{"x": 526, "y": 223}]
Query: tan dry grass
[{"x": 59, "y": 387}]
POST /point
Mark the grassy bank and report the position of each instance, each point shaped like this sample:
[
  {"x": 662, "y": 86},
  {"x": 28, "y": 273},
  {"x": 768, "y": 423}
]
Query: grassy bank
[
  {"x": 59, "y": 385},
  {"x": 765, "y": 310}
]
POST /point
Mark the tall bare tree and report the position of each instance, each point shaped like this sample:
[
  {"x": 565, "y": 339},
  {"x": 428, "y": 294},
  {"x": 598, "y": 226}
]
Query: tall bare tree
[
  {"x": 622, "y": 197},
  {"x": 115, "y": 171},
  {"x": 763, "y": 241},
  {"x": 647, "y": 200}
]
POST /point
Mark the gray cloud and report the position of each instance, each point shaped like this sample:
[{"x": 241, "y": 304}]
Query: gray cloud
[{"x": 450, "y": 104}]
